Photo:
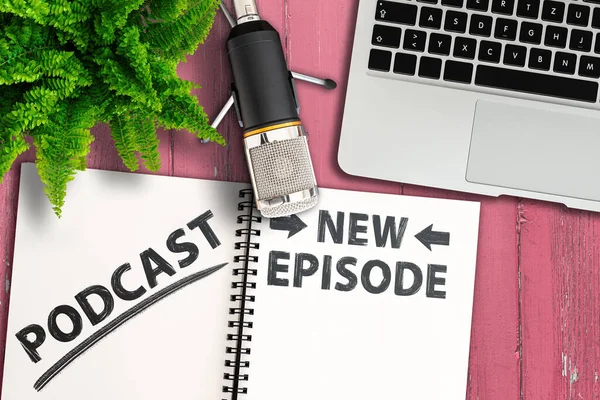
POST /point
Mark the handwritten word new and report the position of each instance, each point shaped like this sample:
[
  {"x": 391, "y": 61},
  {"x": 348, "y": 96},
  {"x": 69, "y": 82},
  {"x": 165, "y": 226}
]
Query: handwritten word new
[{"x": 357, "y": 229}]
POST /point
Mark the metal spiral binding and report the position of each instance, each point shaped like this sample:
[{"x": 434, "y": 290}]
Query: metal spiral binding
[{"x": 241, "y": 311}]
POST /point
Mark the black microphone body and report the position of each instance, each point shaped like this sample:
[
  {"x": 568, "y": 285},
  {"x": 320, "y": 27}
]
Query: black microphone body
[
  {"x": 265, "y": 99},
  {"x": 261, "y": 79}
]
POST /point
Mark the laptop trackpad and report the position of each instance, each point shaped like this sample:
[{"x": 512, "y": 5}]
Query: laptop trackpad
[{"x": 536, "y": 150}]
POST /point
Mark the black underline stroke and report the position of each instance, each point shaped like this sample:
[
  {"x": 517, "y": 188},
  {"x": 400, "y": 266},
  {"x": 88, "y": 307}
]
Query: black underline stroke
[{"x": 72, "y": 355}]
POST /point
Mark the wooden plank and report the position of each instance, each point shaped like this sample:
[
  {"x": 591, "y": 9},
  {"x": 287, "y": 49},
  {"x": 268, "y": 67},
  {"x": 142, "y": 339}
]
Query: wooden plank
[{"x": 560, "y": 298}]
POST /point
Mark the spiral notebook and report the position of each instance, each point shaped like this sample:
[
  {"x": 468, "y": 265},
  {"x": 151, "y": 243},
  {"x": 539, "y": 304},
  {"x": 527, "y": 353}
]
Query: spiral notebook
[{"x": 153, "y": 288}]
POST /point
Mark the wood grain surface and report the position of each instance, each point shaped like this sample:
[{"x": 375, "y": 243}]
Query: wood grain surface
[{"x": 536, "y": 321}]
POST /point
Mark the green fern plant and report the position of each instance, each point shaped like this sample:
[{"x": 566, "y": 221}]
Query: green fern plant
[{"x": 66, "y": 65}]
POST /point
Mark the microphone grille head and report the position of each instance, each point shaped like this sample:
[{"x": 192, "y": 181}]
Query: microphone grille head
[
  {"x": 286, "y": 209},
  {"x": 282, "y": 168}
]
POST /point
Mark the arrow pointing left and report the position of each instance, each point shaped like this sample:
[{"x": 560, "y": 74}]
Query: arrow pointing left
[
  {"x": 292, "y": 224},
  {"x": 429, "y": 237}
]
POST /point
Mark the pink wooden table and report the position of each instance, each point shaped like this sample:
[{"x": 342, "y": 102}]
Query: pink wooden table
[{"x": 536, "y": 324}]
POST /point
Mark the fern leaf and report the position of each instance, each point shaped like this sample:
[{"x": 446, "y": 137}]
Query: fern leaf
[
  {"x": 100, "y": 95},
  {"x": 9, "y": 151},
  {"x": 66, "y": 16},
  {"x": 136, "y": 52},
  {"x": 61, "y": 145},
  {"x": 66, "y": 65},
  {"x": 180, "y": 37},
  {"x": 183, "y": 112},
  {"x": 123, "y": 134},
  {"x": 32, "y": 65},
  {"x": 123, "y": 80},
  {"x": 147, "y": 142},
  {"x": 112, "y": 16},
  {"x": 63, "y": 87},
  {"x": 37, "y": 105},
  {"x": 37, "y": 12},
  {"x": 160, "y": 11}
]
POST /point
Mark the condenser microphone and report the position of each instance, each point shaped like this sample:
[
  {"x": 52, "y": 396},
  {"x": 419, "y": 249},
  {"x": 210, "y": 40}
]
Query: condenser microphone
[{"x": 275, "y": 142}]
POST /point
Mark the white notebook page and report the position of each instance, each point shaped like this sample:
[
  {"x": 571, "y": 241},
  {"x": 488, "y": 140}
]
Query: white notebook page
[
  {"x": 175, "y": 349},
  {"x": 315, "y": 343}
]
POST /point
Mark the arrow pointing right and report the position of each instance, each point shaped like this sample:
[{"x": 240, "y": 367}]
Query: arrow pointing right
[
  {"x": 428, "y": 237},
  {"x": 292, "y": 224}
]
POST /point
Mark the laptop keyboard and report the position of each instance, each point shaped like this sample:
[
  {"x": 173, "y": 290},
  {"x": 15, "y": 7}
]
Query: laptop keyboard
[{"x": 548, "y": 49}]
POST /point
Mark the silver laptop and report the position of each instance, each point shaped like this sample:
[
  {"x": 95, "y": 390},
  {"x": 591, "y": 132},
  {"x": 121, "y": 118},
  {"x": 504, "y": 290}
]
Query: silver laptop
[{"x": 483, "y": 96}]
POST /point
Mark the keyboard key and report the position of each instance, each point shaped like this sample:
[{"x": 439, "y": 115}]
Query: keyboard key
[
  {"x": 503, "y": 6},
  {"x": 596, "y": 18},
  {"x": 534, "y": 83},
  {"x": 565, "y": 62},
  {"x": 453, "y": 3},
  {"x": 399, "y": 13},
  {"x": 481, "y": 25},
  {"x": 578, "y": 15},
  {"x": 380, "y": 60},
  {"x": 414, "y": 40},
  {"x": 489, "y": 51},
  {"x": 589, "y": 66},
  {"x": 387, "y": 36},
  {"x": 597, "y": 46},
  {"x": 464, "y": 47},
  {"x": 405, "y": 64},
  {"x": 515, "y": 55},
  {"x": 430, "y": 67},
  {"x": 555, "y": 36},
  {"x": 553, "y": 11},
  {"x": 455, "y": 21},
  {"x": 505, "y": 29},
  {"x": 539, "y": 59},
  {"x": 531, "y": 33},
  {"x": 439, "y": 44},
  {"x": 428, "y": 1},
  {"x": 528, "y": 8},
  {"x": 430, "y": 18},
  {"x": 580, "y": 40},
  {"x": 479, "y": 5},
  {"x": 456, "y": 71}
]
